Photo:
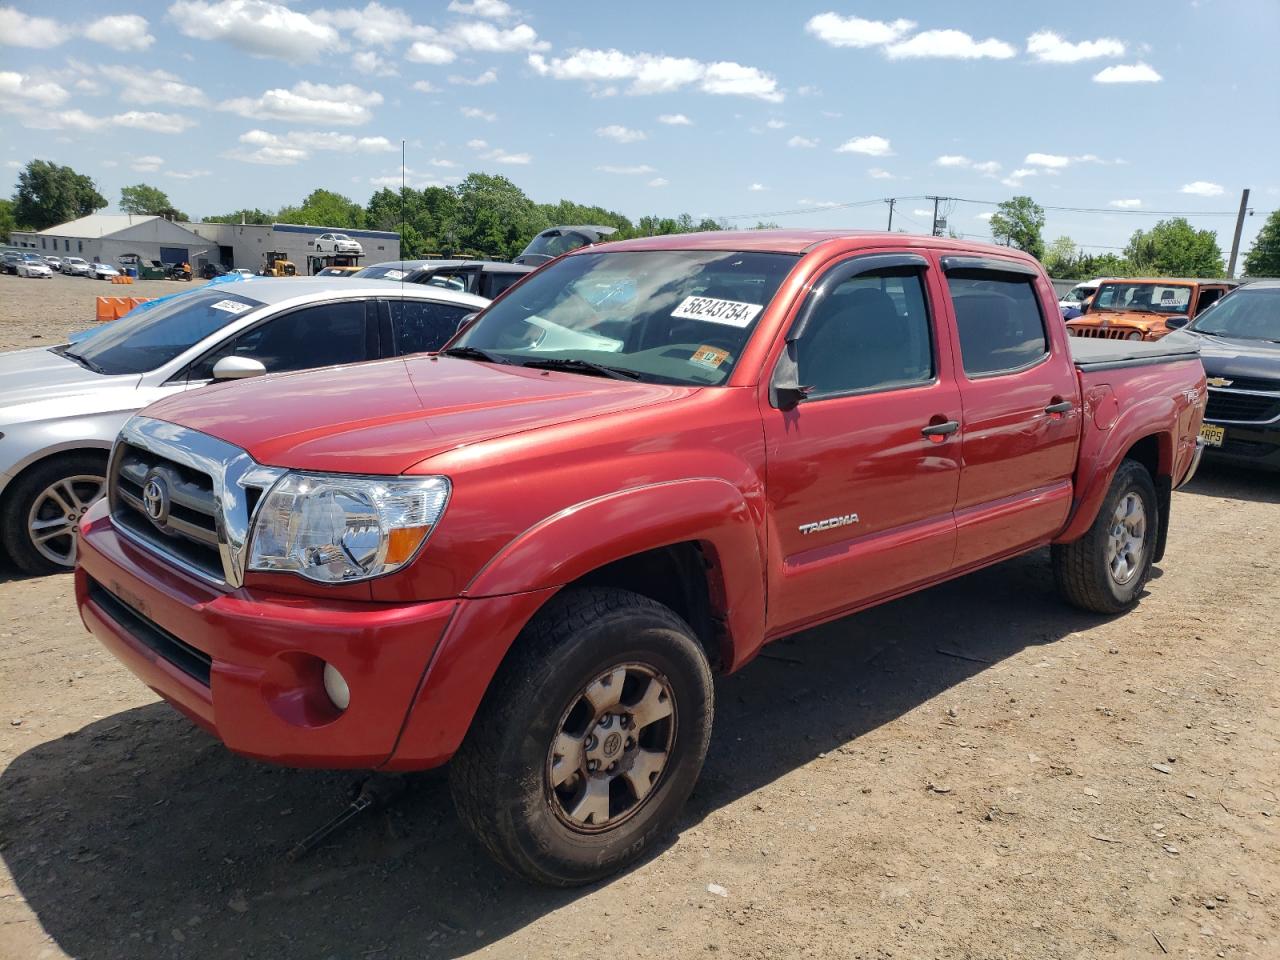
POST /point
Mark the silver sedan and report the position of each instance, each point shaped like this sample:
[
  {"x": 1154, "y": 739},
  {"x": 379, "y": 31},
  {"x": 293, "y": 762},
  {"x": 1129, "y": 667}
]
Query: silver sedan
[{"x": 61, "y": 407}]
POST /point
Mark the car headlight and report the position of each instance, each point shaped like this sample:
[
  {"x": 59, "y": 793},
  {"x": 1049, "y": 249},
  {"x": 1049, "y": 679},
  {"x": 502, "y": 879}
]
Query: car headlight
[
  {"x": 1135, "y": 335},
  {"x": 336, "y": 529}
]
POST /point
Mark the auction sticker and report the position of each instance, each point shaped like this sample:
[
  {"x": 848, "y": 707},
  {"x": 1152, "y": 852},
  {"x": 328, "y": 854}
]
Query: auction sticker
[
  {"x": 732, "y": 313},
  {"x": 711, "y": 357},
  {"x": 230, "y": 306}
]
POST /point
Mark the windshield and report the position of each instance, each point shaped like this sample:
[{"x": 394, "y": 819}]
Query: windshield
[
  {"x": 1078, "y": 294},
  {"x": 145, "y": 339},
  {"x": 1247, "y": 314},
  {"x": 1144, "y": 297},
  {"x": 672, "y": 316},
  {"x": 552, "y": 243},
  {"x": 382, "y": 271}
]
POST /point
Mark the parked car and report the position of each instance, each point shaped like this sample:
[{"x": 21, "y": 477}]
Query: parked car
[
  {"x": 485, "y": 278},
  {"x": 556, "y": 241},
  {"x": 61, "y": 408},
  {"x": 243, "y": 271},
  {"x": 75, "y": 266},
  {"x": 33, "y": 266},
  {"x": 390, "y": 269},
  {"x": 1078, "y": 297},
  {"x": 9, "y": 260},
  {"x": 1240, "y": 347},
  {"x": 211, "y": 270},
  {"x": 530, "y": 552},
  {"x": 338, "y": 272},
  {"x": 102, "y": 271},
  {"x": 1139, "y": 308},
  {"x": 55, "y": 263},
  {"x": 337, "y": 243}
]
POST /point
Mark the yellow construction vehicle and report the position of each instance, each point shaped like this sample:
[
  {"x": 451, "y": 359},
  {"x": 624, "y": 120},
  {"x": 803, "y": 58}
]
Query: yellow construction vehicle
[{"x": 277, "y": 264}]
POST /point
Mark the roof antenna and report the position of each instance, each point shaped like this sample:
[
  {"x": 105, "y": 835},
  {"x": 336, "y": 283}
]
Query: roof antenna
[{"x": 401, "y": 216}]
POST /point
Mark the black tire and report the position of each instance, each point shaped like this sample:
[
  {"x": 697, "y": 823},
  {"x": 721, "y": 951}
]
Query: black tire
[
  {"x": 501, "y": 778},
  {"x": 1082, "y": 570},
  {"x": 21, "y": 495}
]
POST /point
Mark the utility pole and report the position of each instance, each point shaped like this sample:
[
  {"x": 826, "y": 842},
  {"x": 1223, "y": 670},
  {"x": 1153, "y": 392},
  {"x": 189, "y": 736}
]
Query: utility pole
[
  {"x": 891, "y": 202},
  {"x": 933, "y": 229},
  {"x": 1235, "y": 241}
]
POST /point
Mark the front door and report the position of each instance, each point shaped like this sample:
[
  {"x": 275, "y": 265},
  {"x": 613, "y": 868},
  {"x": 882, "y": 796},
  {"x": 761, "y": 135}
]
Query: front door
[{"x": 862, "y": 473}]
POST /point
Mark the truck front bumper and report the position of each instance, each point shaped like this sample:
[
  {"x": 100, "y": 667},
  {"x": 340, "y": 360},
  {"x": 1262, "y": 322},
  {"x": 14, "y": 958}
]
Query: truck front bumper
[{"x": 248, "y": 666}]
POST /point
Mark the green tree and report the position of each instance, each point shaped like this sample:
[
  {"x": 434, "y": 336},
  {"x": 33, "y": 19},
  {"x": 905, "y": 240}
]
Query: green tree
[
  {"x": 324, "y": 208},
  {"x": 1104, "y": 265},
  {"x": 48, "y": 195},
  {"x": 254, "y": 216},
  {"x": 1017, "y": 223},
  {"x": 1062, "y": 259},
  {"x": 494, "y": 217},
  {"x": 7, "y": 223},
  {"x": 145, "y": 200},
  {"x": 1173, "y": 248},
  {"x": 1263, "y": 258}
]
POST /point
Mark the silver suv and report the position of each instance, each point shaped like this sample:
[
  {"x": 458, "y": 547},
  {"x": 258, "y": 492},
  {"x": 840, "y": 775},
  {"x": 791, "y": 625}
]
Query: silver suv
[{"x": 61, "y": 407}]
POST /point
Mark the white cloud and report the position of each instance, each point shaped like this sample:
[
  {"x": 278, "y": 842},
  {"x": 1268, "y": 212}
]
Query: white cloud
[
  {"x": 776, "y": 124},
  {"x": 475, "y": 113},
  {"x": 921, "y": 212},
  {"x": 1048, "y": 47},
  {"x": 371, "y": 63},
  {"x": 675, "y": 120},
  {"x": 985, "y": 217},
  {"x": 659, "y": 182},
  {"x": 1202, "y": 188},
  {"x": 432, "y": 53},
  {"x": 838, "y": 31},
  {"x": 620, "y": 134},
  {"x": 187, "y": 174},
  {"x": 19, "y": 30},
  {"x": 1052, "y": 160},
  {"x": 125, "y": 32},
  {"x": 376, "y": 25},
  {"x": 487, "y": 38},
  {"x": 650, "y": 73},
  {"x": 1125, "y": 204},
  {"x": 1015, "y": 177},
  {"x": 151, "y": 86},
  {"x": 501, "y": 156},
  {"x": 81, "y": 121},
  {"x": 258, "y": 27},
  {"x": 949, "y": 44},
  {"x": 877, "y": 173},
  {"x": 492, "y": 9},
  {"x": 155, "y": 122},
  {"x": 424, "y": 86},
  {"x": 757, "y": 187},
  {"x": 953, "y": 160},
  {"x": 1127, "y": 73},
  {"x": 477, "y": 144},
  {"x": 871, "y": 146},
  {"x": 819, "y": 204},
  {"x": 484, "y": 79},
  {"x": 988, "y": 167},
  {"x": 17, "y": 89},
  {"x": 306, "y": 102},
  {"x": 634, "y": 169},
  {"x": 798, "y": 141},
  {"x": 317, "y": 140},
  {"x": 148, "y": 164}
]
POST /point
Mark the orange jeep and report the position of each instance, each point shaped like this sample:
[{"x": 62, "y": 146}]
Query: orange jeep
[{"x": 1137, "y": 308}]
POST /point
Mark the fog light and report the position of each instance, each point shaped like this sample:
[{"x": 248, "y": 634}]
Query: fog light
[{"x": 335, "y": 685}]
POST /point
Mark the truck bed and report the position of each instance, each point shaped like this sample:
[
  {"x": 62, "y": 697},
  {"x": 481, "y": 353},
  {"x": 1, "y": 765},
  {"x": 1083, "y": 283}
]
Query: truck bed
[{"x": 1090, "y": 353}]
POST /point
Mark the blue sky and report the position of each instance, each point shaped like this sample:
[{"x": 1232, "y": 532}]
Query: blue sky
[{"x": 713, "y": 108}]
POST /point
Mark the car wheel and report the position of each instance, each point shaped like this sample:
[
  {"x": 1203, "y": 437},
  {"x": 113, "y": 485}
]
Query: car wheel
[
  {"x": 43, "y": 507},
  {"x": 1105, "y": 570},
  {"x": 589, "y": 739}
]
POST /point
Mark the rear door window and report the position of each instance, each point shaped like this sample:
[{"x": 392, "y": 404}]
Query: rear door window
[
  {"x": 999, "y": 321},
  {"x": 420, "y": 326}
]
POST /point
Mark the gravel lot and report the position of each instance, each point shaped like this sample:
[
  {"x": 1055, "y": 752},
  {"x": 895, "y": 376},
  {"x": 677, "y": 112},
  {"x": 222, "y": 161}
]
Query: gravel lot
[{"x": 977, "y": 771}]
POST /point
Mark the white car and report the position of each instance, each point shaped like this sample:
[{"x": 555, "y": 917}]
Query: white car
[
  {"x": 61, "y": 407},
  {"x": 1080, "y": 294},
  {"x": 337, "y": 243},
  {"x": 242, "y": 271},
  {"x": 55, "y": 263},
  {"x": 75, "y": 266},
  {"x": 33, "y": 266},
  {"x": 102, "y": 271}
]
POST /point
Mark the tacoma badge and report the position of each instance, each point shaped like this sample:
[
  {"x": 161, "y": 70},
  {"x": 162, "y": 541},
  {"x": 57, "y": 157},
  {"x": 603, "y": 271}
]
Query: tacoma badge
[{"x": 830, "y": 523}]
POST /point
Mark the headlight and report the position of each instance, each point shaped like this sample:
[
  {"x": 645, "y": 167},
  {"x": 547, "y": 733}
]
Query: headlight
[
  {"x": 336, "y": 529},
  {"x": 1135, "y": 336}
]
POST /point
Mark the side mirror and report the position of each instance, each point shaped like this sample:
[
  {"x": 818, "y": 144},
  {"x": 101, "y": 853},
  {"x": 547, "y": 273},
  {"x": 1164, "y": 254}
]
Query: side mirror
[
  {"x": 238, "y": 368},
  {"x": 785, "y": 391},
  {"x": 1176, "y": 323},
  {"x": 467, "y": 321}
]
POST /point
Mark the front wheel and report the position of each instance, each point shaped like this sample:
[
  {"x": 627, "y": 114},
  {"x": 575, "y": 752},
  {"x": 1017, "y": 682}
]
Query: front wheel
[
  {"x": 589, "y": 740},
  {"x": 43, "y": 507},
  {"x": 1105, "y": 570}
]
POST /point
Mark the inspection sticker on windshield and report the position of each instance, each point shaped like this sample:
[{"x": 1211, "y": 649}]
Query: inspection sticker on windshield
[
  {"x": 230, "y": 306},
  {"x": 731, "y": 313},
  {"x": 711, "y": 357},
  {"x": 393, "y": 275}
]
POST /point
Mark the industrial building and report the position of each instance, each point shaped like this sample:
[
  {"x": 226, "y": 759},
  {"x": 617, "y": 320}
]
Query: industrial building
[{"x": 106, "y": 237}]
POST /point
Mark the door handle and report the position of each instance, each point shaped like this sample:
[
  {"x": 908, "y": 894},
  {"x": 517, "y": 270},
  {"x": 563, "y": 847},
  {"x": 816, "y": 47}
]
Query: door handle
[
  {"x": 940, "y": 430},
  {"x": 1061, "y": 407}
]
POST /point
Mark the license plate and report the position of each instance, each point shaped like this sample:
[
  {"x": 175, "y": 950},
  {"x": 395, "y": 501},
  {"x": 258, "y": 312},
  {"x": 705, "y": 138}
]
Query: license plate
[{"x": 1212, "y": 434}]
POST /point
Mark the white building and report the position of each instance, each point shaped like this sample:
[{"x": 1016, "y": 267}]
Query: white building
[
  {"x": 247, "y": 244},
  {"x": 106, "y": 237}
]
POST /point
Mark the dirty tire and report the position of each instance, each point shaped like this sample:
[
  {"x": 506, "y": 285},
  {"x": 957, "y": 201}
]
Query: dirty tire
[
  {"x": 22, "y": 492},
  {"x": 501, "y": 779},
  {"x": 1081, "y": 569}
]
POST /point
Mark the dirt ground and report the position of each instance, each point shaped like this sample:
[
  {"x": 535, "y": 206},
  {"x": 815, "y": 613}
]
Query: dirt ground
[
  {"x": 977, "y": 771},
  {"x": 33, "y": 312}
]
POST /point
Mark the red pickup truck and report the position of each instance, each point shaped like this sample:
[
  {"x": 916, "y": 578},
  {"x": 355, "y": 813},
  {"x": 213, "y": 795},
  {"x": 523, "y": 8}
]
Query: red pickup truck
[{"x": 530, "y": 553}]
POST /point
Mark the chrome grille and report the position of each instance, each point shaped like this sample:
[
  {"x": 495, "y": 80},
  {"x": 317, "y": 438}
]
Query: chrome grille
[
  {"x": 1242, "y": 407},
  {"x": 1101, "y": 333},
  {"x": 189, "y": 527}
]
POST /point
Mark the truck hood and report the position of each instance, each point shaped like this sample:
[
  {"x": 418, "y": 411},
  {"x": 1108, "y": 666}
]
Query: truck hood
[
  {"x": 1123, "y": 318},
  {"x": 39, "y": 375},
  {"x": 384, "y": 417},
  {"x": 1238, "y": 357}
]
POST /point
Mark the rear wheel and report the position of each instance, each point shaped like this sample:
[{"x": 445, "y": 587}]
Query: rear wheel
[
  {"x": 589, "y": 740},
  {"x": 1105, "y": 570},
  {"x": 43, "y": 507}
]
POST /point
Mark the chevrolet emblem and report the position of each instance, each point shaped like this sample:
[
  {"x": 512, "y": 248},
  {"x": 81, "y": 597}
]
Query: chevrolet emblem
[{"x": 1219, "y": 382}]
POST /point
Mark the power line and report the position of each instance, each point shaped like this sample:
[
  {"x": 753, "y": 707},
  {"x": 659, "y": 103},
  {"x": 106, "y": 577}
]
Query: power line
[{"x": 1124, "y": 210}]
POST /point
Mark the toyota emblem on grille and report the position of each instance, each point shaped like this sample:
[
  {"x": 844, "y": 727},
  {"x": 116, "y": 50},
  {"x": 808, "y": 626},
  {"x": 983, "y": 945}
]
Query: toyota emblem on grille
[{"x": 155, "y": 499}]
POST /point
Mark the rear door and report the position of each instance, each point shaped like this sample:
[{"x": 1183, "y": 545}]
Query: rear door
[
  {"x": 863, "y": 472},
  {"x": 1021, "y": 415}
]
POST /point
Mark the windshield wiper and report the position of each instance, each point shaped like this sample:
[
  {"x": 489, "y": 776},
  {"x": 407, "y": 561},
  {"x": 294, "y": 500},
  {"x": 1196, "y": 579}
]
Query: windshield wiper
[
  {"x": 83, "y": 361},
  {"x": 473, "y": 353},
  {"x": 573, "y": 365}
]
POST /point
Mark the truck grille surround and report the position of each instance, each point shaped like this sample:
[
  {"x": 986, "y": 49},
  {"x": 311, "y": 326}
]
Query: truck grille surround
[
  {"x": 187, "y": 496},
  {"x": 1234, "y": 406},
  {"x": 1103, "y": 333}
]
